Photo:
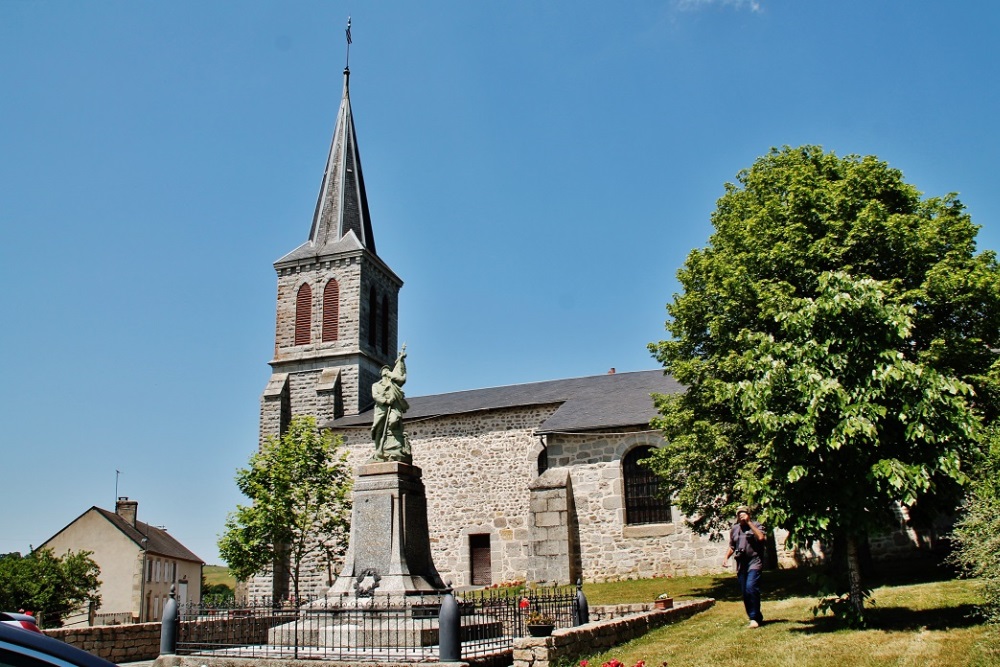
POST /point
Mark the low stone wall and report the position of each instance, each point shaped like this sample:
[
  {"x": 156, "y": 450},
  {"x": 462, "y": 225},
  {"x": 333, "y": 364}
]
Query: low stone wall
[
  {"x": 570, "y": 643},
  {"x": 117, "y": 643},
  {"x": 141, "y": 641}
]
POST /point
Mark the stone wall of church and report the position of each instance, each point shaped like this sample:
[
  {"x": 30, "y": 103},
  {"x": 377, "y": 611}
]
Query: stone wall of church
[
  {"x": 476, "y": 472},
  {"x": 477, "y": 469},
  {"x": 609, "y": 549}
]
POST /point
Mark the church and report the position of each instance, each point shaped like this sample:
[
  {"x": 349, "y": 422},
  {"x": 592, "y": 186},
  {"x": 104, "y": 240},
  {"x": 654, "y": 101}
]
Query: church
[{"x": 535, "y": 482}]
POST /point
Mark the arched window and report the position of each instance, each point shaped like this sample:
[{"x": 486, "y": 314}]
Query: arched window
[
  {"x": 385, "y": 324},
  {"x": 643, "y": 503},
  {"x": 331, "y": 311},
  {"x": 372, "y": 315},
  {"x": 303, "y": 315}
]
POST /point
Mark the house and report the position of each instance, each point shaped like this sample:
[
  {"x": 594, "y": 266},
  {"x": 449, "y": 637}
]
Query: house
[{"x": 139, "y": 562}]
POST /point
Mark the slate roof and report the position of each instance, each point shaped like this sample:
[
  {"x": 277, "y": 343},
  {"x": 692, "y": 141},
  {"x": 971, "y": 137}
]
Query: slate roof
[
  {"x": 160, "y": 542},
  {"x": 342, "y": 203},
  {"x": 587, "y": 403}
]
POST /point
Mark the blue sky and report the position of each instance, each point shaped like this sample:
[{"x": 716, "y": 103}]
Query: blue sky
[{"x": 537, "y": 173}]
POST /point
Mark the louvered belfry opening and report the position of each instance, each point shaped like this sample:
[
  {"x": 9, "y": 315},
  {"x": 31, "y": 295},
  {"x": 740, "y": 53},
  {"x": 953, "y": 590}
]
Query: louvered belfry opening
[
  {"x": 643, "y": 503},
  {"x": 331, "y": 311},
  {"x": 372, "y": 316},
  {"x": 303, "y": 315},
  {"x": 385, "y": 325}
]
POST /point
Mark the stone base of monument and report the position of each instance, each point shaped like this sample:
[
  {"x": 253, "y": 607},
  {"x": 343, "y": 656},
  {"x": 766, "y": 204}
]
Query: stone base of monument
[
  {"x": 375, "y": 628},
  {"x": 389, "y": 553}
]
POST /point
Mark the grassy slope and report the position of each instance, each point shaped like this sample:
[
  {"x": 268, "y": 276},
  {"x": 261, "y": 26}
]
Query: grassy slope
[
  {"x": 218, "y": 574},
  {"x": 921, "y": 624}
]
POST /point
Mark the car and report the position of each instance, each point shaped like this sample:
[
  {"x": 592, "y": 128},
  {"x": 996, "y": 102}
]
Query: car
[
  {"x": 25, "y": 621},
  {"x": 20, "y": 647}
]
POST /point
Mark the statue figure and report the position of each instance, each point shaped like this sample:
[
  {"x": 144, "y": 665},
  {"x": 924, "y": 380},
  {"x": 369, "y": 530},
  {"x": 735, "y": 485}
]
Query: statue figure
[{"x": 391, "y": 443}]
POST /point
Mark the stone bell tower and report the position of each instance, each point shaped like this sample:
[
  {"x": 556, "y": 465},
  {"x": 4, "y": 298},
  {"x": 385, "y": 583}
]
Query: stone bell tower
[{"x": 338, "y": 302}]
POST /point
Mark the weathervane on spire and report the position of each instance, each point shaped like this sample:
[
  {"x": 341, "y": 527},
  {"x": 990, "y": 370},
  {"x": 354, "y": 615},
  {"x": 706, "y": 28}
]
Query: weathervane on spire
[{"x": 348, "y": 33}]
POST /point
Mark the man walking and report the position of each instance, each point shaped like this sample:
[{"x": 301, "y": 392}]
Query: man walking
[{"x": 747, "y": 543}]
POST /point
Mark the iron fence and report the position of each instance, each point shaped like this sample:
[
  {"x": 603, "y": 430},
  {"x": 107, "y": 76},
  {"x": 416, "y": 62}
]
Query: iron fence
[{"x": 376, "y": 628}]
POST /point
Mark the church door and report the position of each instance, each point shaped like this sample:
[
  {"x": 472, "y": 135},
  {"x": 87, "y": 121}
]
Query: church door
[{"x": 479, "y": 556}]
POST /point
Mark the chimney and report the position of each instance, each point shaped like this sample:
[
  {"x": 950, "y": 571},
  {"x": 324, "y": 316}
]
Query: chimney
[
  {"x": 611, "y": 372},
  {"x": 126, "y": 509}
]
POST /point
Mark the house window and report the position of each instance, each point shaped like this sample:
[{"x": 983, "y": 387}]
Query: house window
[
  {"x": 331, "y": 311},
  {"x": 303, "y": 315},
  {"x": 385, "y": 325},
  {"x": 643, "y": 503},
  {"x": 372, "y": 316}
]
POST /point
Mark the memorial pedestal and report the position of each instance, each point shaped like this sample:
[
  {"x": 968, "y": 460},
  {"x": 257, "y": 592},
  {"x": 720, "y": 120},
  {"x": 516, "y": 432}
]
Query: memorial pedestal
[{"x": 389, "y": 552}]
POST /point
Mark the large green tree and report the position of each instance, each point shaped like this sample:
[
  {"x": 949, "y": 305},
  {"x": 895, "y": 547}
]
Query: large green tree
[
  {"x": 299, "y": 517},
  {"x": 835, "y": 337},
  {"x": 50, "y": 586}
]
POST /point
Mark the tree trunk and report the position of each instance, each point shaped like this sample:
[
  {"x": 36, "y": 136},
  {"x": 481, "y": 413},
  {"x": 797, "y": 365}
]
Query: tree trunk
[{"x": 854, "y": 576}]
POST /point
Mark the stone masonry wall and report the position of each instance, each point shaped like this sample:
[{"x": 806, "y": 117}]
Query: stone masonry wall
[
  {"x": 566, "y": 645},
  {"x": 609, "y": 549}
]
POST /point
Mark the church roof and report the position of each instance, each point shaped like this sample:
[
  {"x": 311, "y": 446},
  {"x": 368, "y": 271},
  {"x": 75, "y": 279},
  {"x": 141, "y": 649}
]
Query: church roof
[
  {"x": 342, "y": 204},
  {"x": 596, "y": 402}
]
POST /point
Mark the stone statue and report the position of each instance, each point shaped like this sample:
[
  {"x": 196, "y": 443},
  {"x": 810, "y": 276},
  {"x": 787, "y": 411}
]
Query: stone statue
[{"x": 391, "y": 443}]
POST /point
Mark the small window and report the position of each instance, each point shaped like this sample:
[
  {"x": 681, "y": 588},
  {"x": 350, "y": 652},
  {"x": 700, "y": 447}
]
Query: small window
[
  {"x": 331, "y": 311},
  {"x": 303, "y": 315},
  {"x": 643, "y": 503}
]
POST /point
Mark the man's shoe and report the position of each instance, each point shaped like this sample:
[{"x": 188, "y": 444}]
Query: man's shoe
[{"x": 754, "y": 624}]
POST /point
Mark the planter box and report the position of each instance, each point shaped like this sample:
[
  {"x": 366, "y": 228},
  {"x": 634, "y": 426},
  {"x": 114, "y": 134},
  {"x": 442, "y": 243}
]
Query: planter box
[
  {"x": 540, "y": 630},
  {"x": 667, "y": 603}
]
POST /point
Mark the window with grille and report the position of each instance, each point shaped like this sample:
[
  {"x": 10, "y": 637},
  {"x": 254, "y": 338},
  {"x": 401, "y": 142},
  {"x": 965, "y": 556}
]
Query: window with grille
[
  {"x": 643, "y": 503},
  {"x": 303, "y": 315},
  {"x": 331, "y": 311}
]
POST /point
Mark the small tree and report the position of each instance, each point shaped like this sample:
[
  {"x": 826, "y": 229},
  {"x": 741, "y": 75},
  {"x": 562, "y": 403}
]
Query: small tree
[
  {"x": 51, "y": 586},
  {"x": 835, "y": 337},
  {"x": 299, "y": 485},
  {"x": 977, "y": 533}
]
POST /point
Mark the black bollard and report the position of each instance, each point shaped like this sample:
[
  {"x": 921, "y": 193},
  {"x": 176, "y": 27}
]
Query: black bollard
[
  {"x": 170, "y": 625},
  {"x": 449, "y": 629},
  {"x": 581, "y": 610}
]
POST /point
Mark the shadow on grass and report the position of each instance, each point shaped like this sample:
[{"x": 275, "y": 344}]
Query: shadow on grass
[
  {"x": 794, "y": 582},
  {"x": 901, "y": 619},
  {"x": 774, "y": 585}
]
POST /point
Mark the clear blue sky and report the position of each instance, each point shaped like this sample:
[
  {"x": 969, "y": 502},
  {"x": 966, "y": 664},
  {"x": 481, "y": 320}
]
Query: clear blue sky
[{"x": 537, "y": 173}]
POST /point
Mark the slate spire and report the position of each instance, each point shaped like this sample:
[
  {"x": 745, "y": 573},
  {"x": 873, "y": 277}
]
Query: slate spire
[{"x": 342, "y": 205}]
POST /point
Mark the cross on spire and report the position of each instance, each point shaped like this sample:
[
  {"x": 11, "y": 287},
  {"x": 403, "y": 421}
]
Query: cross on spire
[{"x": 347, "y": 32}]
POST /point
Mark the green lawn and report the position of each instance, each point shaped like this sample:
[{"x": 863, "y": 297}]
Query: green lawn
[
  {"x": 919, "y": 619},
  {"x": 218, "y": 574}
]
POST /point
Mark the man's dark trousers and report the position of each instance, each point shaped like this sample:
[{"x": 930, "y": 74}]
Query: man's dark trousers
[{"x": 750, "y": 588}]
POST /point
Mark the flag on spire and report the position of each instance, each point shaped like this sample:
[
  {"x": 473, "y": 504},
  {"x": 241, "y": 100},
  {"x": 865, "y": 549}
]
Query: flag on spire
[{"x": 348, "y": 29}]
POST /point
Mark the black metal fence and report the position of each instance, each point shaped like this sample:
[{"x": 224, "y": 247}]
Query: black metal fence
[{"x": 375, "y": 628}]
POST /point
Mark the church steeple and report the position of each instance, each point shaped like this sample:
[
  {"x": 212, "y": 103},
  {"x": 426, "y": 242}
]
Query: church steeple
[
  {"x": 338, "y": 301},
  {"x": 341, "y": 220},
  {"x": 342, "y": 205}
]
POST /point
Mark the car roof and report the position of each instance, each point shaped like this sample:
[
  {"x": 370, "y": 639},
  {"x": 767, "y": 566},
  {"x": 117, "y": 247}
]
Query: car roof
[{"x": 14, "y": 637}]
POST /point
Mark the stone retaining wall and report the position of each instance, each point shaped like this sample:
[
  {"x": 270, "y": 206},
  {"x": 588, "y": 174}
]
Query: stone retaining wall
[
  {"x": 117, "y": 643},
  {"x": 141, "y": 641},
  {"x": 571, "y": 643}
]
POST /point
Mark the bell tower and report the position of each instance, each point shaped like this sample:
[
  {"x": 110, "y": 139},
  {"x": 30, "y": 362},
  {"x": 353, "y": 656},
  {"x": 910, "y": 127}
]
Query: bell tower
[{"x": 338, "y": 302}]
